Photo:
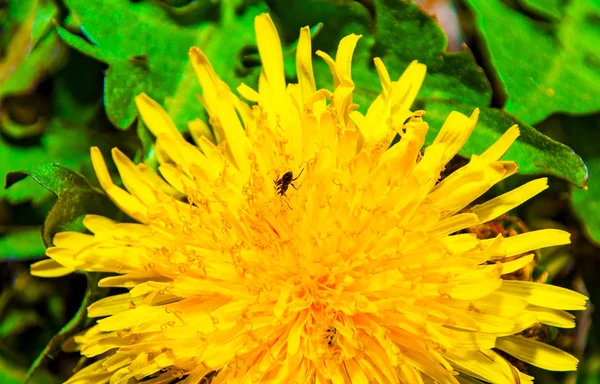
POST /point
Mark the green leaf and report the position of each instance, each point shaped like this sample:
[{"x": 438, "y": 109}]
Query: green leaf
[
  {"x": 405, "y": 33},
  {"x": 76, "y": 198},
  {"x": 145, "y": 45},
  {"x": 547, "y": 8},
  {"x": 534, "y": 153},
  {"x": 585, "y": 135},
  {"x": 21, "y": 245},
  {"x": 543, "y": 67},
  {"x": 63, "y": 142}
]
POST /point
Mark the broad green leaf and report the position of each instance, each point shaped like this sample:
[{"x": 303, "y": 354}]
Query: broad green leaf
[
  {"x": 585, "y": 135},
  {"x": 405, "y": 33},
  {"x": 534, "y": 153},
  {"x": 547, "y": 8},
  {"x": 146, "y": 44},
  {"x": 544, "y": 68},
  {"x": 76, "y": 198},
  {"x": 25, "y": 244},
  {"x": 63, "y": 142}
]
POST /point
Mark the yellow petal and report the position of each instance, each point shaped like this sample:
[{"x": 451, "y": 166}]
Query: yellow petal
[
  {"x": 224, "y": 117},
  {"x": 499, "y": 205},
  {"x": 156, "y": 119},
  {"x": 98, "y": 224},
  {"x": 454, "y": 133},
  {"x": 132, "y": 179},
  {"x": 343, "y": 57},
  {"x": 515, "y": 265},
  {"x": 484, "y": 365},
  {"x": 304, "y": 68},
  {"x": 545, "y": 295},
  {"x": 73, "y": 240},
  {"x": 536, "y": 353},
  {"x": 198, "y": 129},
  {"x": 499, "y": 148},
  {"x": 100, "y": 168},
  {"x": 553, "y": 317},
  {"x": 126, "y": 202},
  {"x": 529, "y": 241},
  {"x": 248, "y": 93},
  {"x": 49, "y": 268},
  {"x": 271, "y": 55},
  {"x": 384, "y": 78},
  {"x": 409, "y": 83},
  {"x": 332, "y": 68}
]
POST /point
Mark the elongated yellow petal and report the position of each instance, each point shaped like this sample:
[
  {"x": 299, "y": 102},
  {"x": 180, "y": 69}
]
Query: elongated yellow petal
[
  {"x": 537, "y": 353},
  {"x": 454, "y": 133},
  {"x": 100, "y": 168},
  {"x": 126, "y": 202},
  {"x": 498, "y": 206},
  {"x": 218, "y": 98},
  {"x": 515, "y": 265},
  {"x": 529, "y": 241},
  {"x": 499, "y": 148},
  {"x": 408, "y": 85},
  {"x": 269, "y": 47},
  {"x": 545, "y": 295},
  {"x": 483, "y": 365},
  {"x": 248, "y": 93},
  {"x": 155, "y": 117},
  {"x": 306, "y": 78},
  {"x": 343, "y": 57},
  {"x": 553, "y": 317},
  {"x": 50, "y": 268},
  {"x": 132, "y": 178},
  {"x": 384, "y": 79}
]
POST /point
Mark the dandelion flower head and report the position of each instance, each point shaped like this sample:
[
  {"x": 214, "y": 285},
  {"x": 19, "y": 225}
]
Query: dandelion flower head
[{"x": 302, "y": 247}]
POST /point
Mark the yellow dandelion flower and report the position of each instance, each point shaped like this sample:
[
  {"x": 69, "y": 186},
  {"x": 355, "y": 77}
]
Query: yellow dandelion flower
[{"x": 304, "y": 249}]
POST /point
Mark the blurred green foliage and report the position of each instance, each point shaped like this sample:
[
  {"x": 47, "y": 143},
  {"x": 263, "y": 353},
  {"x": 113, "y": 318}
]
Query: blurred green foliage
[{"x": 69, "y": 70}]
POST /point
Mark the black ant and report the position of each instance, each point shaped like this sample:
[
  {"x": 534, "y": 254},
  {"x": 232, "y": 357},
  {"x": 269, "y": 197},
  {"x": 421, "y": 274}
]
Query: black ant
[
  {"x": 330, "y": 335},
  {"x": 283, "y": 183}
]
